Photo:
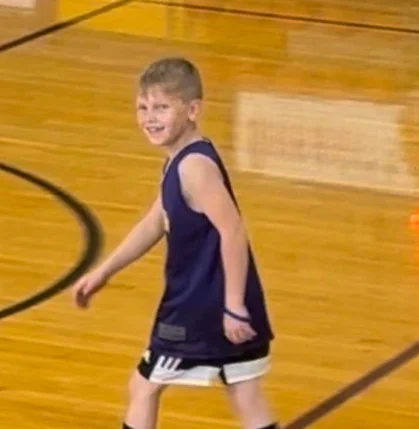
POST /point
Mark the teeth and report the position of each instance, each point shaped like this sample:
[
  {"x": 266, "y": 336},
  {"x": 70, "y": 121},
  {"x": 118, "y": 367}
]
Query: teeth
[{"x": 154, "y": 129}]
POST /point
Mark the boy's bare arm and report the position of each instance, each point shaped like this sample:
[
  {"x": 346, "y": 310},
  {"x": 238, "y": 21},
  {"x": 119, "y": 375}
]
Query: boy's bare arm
[
  {"x": 138, "y": 242},
  {"x": 206, "y": 192}
]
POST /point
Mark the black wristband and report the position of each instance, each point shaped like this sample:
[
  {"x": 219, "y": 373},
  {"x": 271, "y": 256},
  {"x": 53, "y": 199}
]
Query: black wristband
[{"x": 237, "y": 316}]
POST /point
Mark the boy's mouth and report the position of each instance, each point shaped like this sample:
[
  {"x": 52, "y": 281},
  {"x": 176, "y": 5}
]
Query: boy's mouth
[{"x": 154, "y": 129}]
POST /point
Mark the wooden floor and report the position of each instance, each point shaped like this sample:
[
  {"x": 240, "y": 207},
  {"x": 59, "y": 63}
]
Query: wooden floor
[{"x": 319, "y": 124}]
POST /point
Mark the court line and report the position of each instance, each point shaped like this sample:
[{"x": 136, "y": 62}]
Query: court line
[
  {"x": 232, "y": 11},
  {"x": 92, "y": 238},
  {"x": 327, "y": 406},
  {"x": 283, "y": 17},
  {"x": 62, "y": 25}
]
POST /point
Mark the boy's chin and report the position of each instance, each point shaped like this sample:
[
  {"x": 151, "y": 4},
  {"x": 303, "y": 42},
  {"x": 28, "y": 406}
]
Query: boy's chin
[
  {"x": 156, "y": 141},
  {"x": 159, "y": 142}
]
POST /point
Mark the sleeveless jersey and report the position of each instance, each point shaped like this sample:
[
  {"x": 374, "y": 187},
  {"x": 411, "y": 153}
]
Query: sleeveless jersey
[{"x": 189, "y": 319}]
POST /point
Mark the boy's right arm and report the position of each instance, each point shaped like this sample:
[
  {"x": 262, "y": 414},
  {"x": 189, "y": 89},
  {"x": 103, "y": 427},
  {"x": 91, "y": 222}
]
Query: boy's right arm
[{"x": 138, "y": 242}]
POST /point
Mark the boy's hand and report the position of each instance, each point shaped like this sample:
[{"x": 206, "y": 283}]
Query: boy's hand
[
  {"x": 87, "y": 286},
  {"x": 235, "y": 330}
]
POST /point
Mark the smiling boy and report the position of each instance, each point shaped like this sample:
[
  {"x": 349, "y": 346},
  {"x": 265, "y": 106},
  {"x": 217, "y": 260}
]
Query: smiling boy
[{"x": 212, "y": 319}]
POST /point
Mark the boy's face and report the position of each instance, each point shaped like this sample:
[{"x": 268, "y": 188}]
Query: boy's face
[{"x": 164, "y": 117}]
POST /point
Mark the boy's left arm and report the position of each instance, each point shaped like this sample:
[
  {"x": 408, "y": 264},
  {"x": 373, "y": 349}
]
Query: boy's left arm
[{"x": 206, "y": 192}]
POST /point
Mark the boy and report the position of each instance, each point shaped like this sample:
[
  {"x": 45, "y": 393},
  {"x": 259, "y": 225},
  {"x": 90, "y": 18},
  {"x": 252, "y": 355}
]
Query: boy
[{"x": 212, "y": 319}]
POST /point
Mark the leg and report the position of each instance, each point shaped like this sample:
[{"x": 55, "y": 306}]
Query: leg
[
  {"x": 153, "y": 374},
  {"x": 143, "y": 403},
  {"x": 242, "y": 377},
  {"x": 249, "y": 403}
]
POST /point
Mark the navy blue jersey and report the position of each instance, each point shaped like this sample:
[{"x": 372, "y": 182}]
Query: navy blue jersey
[{"x": 189, "y": 320}]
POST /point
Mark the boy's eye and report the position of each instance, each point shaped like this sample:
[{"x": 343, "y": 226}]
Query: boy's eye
[{"x": 157, "y": 107}]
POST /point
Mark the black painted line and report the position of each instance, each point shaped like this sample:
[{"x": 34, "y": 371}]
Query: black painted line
[
  {"x": 327, "y": 406},
  {"x": 284, "y": 17},
  {"x": 92, "y": 238},
  {"x": 232, "y": 11},
  {"x": 62, "y": 25}
]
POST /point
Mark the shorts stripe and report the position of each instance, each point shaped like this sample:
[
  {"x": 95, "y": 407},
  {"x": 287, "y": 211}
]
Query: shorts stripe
[{"x": 170, "y": 370}]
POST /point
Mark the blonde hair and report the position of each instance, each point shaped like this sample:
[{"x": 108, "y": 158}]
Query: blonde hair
[{"x": 175, "y": 75}]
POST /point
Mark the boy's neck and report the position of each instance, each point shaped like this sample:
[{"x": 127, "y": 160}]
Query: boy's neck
[{"x": 192, "y": 135}]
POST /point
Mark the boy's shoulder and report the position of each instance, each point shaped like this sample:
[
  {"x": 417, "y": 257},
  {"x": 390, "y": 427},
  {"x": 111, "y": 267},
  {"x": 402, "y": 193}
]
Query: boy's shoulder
[{"x": 199, "y": 167}]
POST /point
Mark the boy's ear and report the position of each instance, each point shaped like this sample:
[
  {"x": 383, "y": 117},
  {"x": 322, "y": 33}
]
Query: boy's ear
[{"x": 195, "y": 107}]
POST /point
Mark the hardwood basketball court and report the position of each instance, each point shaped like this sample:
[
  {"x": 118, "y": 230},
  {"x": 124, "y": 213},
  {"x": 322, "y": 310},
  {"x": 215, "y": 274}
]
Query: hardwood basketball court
[{"x": 315, "y": 107}]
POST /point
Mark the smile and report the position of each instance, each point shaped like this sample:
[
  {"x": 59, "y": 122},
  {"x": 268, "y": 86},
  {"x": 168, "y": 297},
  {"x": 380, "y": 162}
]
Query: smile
[{"x": 154, "y": 129}]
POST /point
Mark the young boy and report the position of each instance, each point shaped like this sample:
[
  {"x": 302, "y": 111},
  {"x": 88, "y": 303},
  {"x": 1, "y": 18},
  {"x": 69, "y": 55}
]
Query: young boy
[{"x": 212, "y": 320}]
